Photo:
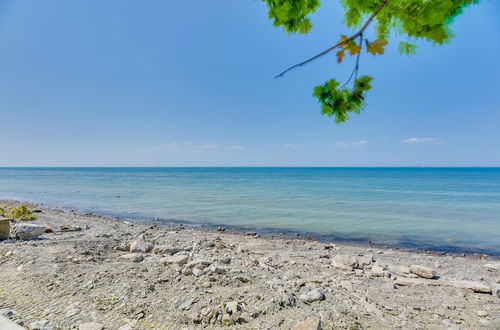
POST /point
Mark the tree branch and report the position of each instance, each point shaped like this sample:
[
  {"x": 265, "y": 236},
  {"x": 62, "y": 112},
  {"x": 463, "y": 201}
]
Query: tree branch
[
  {"x": 356, "y": 67},
  {"x": 340, "y": 43}
]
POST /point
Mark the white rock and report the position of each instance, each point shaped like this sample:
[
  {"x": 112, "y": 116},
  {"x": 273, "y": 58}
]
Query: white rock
[
  {"x": 313, "y": 295},
  {"x": 25, "y": 231},
  {"x": 310, "y": 323},
  {"x": 423, "y": 271},
  {"x": 131, "y": 257},
  {"x": 91, "y": 326},
  {"x": 140, "y": 245},
  {"x": 125, "y": 327}
]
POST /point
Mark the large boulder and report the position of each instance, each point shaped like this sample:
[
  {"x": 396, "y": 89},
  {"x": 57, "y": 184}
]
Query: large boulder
[
  {"x": 26, "y": 231},
  {"x": 4, "y": 229}
]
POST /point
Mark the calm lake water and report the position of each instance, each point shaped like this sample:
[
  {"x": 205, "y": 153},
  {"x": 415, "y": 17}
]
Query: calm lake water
[{"x": 449, "y": 209}]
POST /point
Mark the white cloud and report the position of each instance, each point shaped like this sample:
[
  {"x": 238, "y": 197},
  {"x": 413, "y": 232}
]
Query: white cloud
[
  {"x": 414, "y": 140},
  {"x": 293, "y": 146},
  {"x": 343, "y": 144},
  {"x": 208, "y": 146},
  {"x": 172, "y": 146},
  {"x": 359, "y": 143},
  {"x": 235, "y": 147}
]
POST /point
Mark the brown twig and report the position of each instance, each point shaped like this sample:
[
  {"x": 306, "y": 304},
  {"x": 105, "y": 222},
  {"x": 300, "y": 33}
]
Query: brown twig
[{"x": 340, "y": 43}]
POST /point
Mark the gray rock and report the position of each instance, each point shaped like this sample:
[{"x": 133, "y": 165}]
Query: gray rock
[
  {"x": 131, "y": 257},
  {"x": 186, "y": 305},
  {"x": 40, "y": 325},
  {"x": 199, "y": 263},
  {"x": 178, "y": 259},
  {"x": 197, "y": 272},
  {"x": 140, "y": 245},
  {"x": 25, "y": 231},
  {"x": 91, "y": 326},
  {"x": 313, "y": 295},
  {"x": 423, "y": 271},
  {"x": 312, "y": 322},
  {"x": 166, "y": 250}
]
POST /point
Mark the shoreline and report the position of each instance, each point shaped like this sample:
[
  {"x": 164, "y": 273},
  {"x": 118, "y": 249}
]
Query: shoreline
[
  {"x": 410, "y": 246},
  {"x": 115, "y": 274}
]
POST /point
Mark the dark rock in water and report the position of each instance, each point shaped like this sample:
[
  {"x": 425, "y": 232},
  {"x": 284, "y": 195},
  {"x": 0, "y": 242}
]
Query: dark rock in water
[{"x": 221, "y": 229}]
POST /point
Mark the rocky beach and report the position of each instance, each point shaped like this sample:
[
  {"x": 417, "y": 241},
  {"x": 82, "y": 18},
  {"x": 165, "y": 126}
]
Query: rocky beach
[{"x": 66, "y": 270}]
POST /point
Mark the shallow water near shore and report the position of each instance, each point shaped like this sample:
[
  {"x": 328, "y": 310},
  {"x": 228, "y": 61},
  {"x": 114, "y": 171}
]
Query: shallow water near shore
[{"x": 451, "y": 209}]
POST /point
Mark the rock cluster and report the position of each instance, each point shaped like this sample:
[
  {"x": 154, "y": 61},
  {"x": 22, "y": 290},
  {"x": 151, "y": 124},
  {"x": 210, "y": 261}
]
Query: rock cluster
[{"x": 121, "y": 275}]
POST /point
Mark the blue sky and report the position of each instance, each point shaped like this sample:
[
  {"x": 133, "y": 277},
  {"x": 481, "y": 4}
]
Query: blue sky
[{"x": 190, "y": 83}]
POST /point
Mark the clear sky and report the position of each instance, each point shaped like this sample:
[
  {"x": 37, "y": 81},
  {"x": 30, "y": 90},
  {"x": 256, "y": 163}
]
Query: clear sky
[{"x": 190, "y": 83}]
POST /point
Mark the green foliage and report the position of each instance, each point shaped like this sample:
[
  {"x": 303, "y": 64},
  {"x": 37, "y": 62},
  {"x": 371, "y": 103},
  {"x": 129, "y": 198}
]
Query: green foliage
[
  {"x": 292, "y": 14},
  {"x": 407, "y": 48},
  {"x": 21, "y": 212},
  {"x": 427, "y": 20},
  {"x": 339, "y": 103}
]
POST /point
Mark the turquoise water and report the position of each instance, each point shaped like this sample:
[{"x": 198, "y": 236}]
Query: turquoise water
[{"x": 455, "y": 209}]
